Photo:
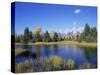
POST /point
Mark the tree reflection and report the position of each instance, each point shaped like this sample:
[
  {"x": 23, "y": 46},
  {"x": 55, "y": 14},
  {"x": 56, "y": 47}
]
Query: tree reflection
[
  {"x": 55, "y": 49},
  {"x": 90, "y": 53},
  {"x": 25, "y": 47},
  {"x": 46, "y": 48},
  {"x": 37, "y": 51}
]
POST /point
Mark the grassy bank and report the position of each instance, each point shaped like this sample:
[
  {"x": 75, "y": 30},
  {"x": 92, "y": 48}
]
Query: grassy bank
[
  {"x": 52, "y": 63},
  {"x": 86, "y": 44}
]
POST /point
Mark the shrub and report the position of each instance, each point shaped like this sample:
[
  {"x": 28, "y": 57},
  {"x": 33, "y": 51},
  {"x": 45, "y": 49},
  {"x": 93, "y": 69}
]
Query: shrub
[
  {"x": 55, "y": 61},
  {"x": 85, "y": 65},
  {"x": 70, "y": 64},
  {"x": 79, "y": 40},
  {"x": 24, "y": 67}
]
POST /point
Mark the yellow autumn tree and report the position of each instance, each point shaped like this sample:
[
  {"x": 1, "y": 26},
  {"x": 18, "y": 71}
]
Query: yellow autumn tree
[
  {"x": 37, "y": 30},
  {"x": 37, "y": 35}
]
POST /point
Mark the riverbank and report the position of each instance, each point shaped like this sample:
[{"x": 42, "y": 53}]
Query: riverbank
[
  {"x": 57, "y": 64},
  {"x": 84, "y": 44}
]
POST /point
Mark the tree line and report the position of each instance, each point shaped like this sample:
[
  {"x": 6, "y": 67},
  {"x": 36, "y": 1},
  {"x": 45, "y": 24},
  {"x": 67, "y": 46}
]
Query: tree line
[
  {"x": 89, "y": 34},
  {"x": 28, "y": 36}
]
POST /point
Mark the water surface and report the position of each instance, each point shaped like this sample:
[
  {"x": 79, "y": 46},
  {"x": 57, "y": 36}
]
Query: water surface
[{"x": 77, "y": 53}]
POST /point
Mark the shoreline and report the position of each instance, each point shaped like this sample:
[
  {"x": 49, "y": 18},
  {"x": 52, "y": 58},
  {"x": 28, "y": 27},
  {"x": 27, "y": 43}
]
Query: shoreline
[{"x": 83, "y": 44}]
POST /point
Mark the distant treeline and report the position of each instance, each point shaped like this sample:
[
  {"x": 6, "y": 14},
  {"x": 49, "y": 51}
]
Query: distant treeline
[{"x": 89, "y": 34}]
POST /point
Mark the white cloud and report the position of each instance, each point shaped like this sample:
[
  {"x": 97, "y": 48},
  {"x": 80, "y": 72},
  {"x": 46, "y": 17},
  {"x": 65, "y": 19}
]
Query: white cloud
[{"x": 77, "y": 11}]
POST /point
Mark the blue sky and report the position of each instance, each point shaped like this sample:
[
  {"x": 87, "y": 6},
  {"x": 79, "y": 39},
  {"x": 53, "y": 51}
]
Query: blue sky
[{"x": 61, "y": 18}]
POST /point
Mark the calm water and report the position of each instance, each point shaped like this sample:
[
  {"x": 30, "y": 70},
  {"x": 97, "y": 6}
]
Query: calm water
[{"x": 78, "y": 54}]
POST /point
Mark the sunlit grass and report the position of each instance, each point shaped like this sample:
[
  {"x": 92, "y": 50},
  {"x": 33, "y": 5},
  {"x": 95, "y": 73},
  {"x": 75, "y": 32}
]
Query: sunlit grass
[{"x": 85, "y": 44}]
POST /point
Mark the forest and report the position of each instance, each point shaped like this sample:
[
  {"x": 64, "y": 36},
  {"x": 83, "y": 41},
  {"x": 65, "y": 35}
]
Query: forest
[{"x": 89, "y": 34}]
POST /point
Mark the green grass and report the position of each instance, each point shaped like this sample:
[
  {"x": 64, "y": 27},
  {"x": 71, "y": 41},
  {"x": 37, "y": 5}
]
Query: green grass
[{"x": 86, "y": 44}]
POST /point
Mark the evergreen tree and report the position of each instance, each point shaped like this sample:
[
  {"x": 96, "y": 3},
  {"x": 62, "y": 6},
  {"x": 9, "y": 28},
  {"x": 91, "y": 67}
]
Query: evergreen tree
[
  {"x": 55, "y": 36},
  {"x": 47, "y": 37},
  {"x": 89, "y": 34},
  {"x": 30, "y": 35},
  {"x": 86, "y": 29},
  {"x": 26, "y": 35}
]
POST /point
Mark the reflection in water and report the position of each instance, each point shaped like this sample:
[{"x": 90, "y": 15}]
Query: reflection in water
[
  {"x": 37, "y": 50},
  {"x": 46, "y": 48},
  {"x": 26, "y": 53},
  {"x": 76, "y": 53},
  {"x": 55, "y": 48},
  {"x": 25, "y": 47},
  {"x": 91, "y": 54}
]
